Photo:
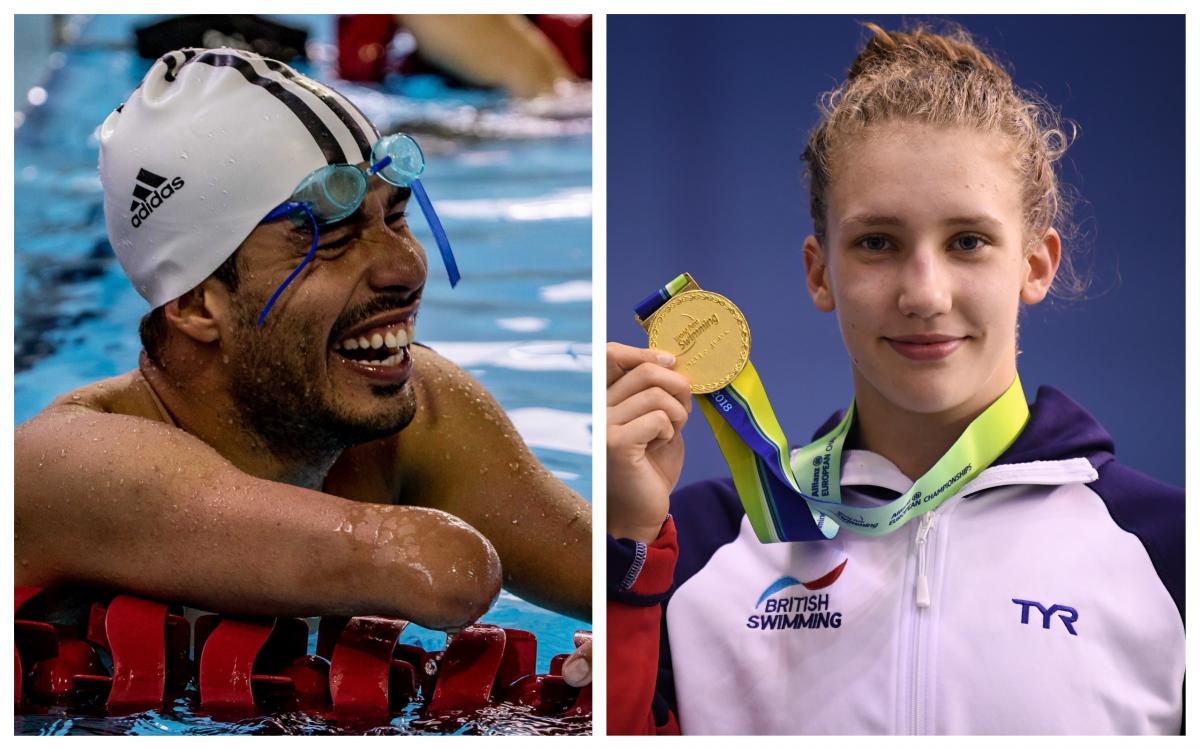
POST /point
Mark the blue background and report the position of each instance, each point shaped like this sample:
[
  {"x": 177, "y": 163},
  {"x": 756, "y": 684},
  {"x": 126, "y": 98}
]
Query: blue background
[{"x": 708, "y": 117}]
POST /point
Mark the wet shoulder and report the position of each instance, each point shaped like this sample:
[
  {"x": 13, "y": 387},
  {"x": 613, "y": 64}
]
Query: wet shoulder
[
  {"x": 125, "y": 394},
  {"x": 444, "y": 392}
]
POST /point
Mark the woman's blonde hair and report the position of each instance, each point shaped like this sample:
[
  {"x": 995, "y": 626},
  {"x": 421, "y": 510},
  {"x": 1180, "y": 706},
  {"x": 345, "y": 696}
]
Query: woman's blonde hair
[{"x": 945, "y": 79}]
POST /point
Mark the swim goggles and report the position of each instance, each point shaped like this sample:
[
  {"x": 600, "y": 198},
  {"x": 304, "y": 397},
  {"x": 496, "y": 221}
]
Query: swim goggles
[{"x": 334, "y": 191}]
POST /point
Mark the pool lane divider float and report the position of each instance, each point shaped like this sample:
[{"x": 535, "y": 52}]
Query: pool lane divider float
[{"x": 249, "y": 666}]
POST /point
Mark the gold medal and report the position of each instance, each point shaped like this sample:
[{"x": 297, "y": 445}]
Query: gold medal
[{"x": 708, "y": 336}]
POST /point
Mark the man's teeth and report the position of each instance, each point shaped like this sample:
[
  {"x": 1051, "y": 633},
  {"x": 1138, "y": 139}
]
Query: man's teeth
[
  {"x": 394, "y": 339},
  {"x": 392, "y": 360}
]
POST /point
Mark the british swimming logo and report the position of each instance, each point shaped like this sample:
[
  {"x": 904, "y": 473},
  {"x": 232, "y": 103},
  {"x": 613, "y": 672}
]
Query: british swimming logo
[
  {"x": 1068, "y": 615},
  {"x": 149, "y": 192},
  {"x": 776, "y": 610}
]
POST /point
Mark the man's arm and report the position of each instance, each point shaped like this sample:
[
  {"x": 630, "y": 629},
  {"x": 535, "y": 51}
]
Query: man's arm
[
  {"x": 130, "y": 504},
  {"x": 462, "y": 455}
]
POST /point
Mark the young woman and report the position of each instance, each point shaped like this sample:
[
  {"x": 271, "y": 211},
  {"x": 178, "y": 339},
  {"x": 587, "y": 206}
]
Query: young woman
[{"x": 978, "y": 565}]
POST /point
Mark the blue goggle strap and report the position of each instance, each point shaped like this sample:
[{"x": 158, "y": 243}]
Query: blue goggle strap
[
  {"x": 431, "y": 217},
  {"x": 439, "y": 234},
  {"x": 279, "y": 213},
  {"x": 379, "y": 165}
]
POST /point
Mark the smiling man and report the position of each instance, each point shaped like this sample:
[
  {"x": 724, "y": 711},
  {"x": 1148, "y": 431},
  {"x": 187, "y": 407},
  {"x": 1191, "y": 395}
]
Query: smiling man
[{"x": 284, "y": 446}]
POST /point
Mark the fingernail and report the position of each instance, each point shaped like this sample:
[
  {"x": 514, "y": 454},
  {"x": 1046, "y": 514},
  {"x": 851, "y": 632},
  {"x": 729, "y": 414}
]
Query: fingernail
[
  {"x": 576, "y": 672},
  {"x": 666, "y": 360}
]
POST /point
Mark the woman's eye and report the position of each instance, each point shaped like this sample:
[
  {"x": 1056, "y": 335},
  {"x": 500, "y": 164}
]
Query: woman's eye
[
  {"x": 397, "y": 218},
  {"x": 969, "y": 243},
  {"x": 875, "y": 243}
]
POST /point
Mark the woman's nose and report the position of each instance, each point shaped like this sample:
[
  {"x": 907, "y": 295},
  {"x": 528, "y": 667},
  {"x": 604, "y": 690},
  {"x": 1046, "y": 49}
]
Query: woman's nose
[{"x": 925, "y": 284}]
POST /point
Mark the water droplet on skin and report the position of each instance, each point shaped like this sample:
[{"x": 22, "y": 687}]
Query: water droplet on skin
[
  {"x": 514, "y": 522},
  {"x": 63, "y": 452}
]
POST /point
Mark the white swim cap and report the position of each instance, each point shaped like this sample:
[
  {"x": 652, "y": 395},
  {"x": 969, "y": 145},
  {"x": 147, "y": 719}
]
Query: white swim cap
[{"x": 203, "y": 149}]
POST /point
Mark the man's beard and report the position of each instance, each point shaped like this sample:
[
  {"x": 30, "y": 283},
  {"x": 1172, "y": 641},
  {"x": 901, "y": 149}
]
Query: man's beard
[{"x": 296, "y": 412}]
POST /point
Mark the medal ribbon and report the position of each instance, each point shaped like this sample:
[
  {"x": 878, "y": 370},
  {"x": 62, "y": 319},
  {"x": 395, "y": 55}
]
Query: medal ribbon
[{"x": 771, "y": 483}]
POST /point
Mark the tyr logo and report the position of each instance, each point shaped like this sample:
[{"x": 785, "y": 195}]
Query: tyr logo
[{"x": 1067, "y": 614}]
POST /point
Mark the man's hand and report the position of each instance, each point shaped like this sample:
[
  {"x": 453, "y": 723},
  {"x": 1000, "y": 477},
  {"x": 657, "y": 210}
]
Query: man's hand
[
  {"x": 577, "y": 669},
  {"x": 648, "y": 406}
]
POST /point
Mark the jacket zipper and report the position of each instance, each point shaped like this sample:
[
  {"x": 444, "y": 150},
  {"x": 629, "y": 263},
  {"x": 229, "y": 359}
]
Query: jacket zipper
[
  {"x": 923, "y": 560},
  {"x": 922, "y": 601}
]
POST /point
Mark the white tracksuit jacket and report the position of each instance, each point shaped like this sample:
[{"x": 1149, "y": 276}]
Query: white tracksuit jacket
[{"x": 1045, "y": 598}]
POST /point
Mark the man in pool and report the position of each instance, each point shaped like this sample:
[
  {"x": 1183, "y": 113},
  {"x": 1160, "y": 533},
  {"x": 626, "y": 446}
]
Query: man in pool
[{"x": 284, "y": 446}]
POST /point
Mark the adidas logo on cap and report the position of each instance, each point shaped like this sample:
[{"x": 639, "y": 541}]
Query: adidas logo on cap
[{"x": 146, "y": 199}]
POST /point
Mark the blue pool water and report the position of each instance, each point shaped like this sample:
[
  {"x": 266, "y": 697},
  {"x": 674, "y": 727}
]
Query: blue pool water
[{"x": 518, "y": 210}]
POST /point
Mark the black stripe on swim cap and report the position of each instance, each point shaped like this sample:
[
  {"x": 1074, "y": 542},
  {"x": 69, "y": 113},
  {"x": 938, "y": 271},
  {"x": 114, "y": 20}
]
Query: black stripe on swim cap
[
  {"x": 356, "y": 132},
  {"x": 172, "y": 59},
  {"x": 316, "y": 128}
]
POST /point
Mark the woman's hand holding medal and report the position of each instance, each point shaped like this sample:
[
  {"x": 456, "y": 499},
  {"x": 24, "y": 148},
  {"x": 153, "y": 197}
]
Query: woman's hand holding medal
[{"x": 648, "y": 405}]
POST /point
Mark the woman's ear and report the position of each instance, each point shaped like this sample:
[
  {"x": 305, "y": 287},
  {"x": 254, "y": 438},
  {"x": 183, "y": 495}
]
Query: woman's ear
[
  {"x": 816, "y": 274},
  {"x": 197, "y": 313},
  {"x": 1041, "y": 264}
]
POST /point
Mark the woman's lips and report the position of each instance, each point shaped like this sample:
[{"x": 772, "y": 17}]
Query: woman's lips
[{"x": 925, "y": 349}]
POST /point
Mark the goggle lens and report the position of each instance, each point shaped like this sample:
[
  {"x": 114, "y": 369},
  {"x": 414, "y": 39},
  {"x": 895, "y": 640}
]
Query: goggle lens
[
  {"x": 332, "y": 192},
  {"x": 407, "y": 164}
]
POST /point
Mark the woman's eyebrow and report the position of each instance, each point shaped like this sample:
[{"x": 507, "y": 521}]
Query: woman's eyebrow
[
  {"x": 974, "y": 220},
  {"x": 872, "y": 220},
  {"x": 882, "y": 220}
]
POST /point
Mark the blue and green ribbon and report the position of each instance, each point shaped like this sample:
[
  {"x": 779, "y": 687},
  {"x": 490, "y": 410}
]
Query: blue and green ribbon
[{"x": 793, "y": 496}]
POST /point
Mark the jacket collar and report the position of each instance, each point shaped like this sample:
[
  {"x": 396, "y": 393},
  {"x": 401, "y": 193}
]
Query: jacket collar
[{"x": 1061, "y": 444}]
